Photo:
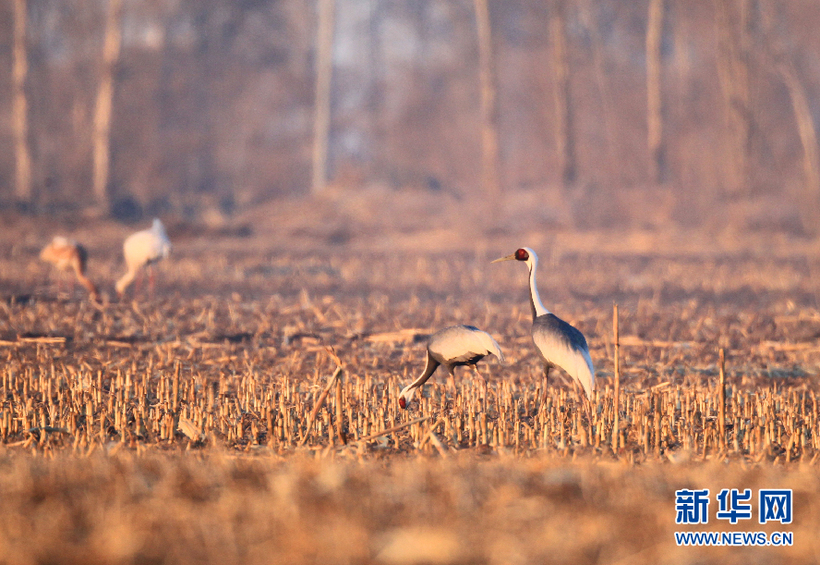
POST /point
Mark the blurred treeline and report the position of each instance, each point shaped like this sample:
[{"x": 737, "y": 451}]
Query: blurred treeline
[{"x": 214, "y": 104}]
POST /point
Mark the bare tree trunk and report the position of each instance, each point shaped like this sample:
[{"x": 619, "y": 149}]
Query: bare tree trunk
[
  {"x": 591, "y": 23},
  {"x": 20, "y": 106},
  {"x": 654, "y": 108},
  {"x": 489, "y": 105},
  {"x": 733, "y": 72},
  {"x": 324, "y": 71},
  {"x": 564, "y": 130},
  {"x": 375, "y": 96},
  {"x": 808, "y": 139},
  {"x": 101, "y": 139},
  {"x": 777, "y": 57}
]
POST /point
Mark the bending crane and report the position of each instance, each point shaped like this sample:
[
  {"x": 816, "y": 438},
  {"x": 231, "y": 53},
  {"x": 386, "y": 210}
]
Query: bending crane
[
  {"x": 143, "y": 249},
  {"x": 452, "y": 347},
  {"x": 67, "y": 254}
]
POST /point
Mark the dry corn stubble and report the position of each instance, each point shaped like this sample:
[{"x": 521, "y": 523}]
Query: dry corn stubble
[{"x": 200, "y": 397}]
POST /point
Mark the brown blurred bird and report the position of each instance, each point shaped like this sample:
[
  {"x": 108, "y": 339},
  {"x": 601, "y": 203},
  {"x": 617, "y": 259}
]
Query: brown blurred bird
[{"x": 66, "y": 254}]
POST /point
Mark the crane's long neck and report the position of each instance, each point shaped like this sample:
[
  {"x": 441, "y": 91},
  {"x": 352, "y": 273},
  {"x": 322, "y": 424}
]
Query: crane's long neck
[
  {"x": 125, "y": 280},
  {"x": 431, "y": 367},
  {"x": 407, "y": 392},
  {"x": 537, "y": 306},
  {"x": 79, "y": 270}
]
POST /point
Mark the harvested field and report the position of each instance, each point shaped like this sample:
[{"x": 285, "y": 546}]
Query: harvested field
[
  {"x": 221, "y": 507},
  {"x": 247, "y": 411}
]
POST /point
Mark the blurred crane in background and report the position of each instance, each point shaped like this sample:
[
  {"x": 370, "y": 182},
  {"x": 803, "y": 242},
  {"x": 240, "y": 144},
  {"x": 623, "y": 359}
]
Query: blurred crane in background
[
  {"x": 143, "y": 249},
  {"x": 66, "y": 254}
]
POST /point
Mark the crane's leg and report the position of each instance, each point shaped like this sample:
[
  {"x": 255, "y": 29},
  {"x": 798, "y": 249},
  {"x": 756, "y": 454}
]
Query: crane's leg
[
  {"x": 151, "y": 279},
  {"x": 477, "y": 372},
  {"x": 451, "y": 381},
  {"x": 547, "y": 369},
  {"x": 543, "y": 399},
  {"x": 59, "y": 283},
  {"x": 138, "y": 283},
  {"x": 483, "y": 384},
  {"x": 586, "y": 402}
]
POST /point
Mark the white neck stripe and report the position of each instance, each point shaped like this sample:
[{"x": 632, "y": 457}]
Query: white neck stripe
[{"x": 538, "y": 306}]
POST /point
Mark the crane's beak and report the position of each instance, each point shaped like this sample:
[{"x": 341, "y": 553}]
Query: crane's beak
[{"x": 507, "y": 258}]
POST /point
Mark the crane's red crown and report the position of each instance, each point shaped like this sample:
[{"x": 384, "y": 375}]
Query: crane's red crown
[{"x": 522, "y": 255}]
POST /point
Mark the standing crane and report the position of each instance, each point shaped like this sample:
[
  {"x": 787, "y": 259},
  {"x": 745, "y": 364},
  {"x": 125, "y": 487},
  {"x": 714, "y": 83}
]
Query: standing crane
[
  {"x": 557, "y": 342},
  {"x": 67, "y": 254},
  {"x": 143, "y": 249},
  {"x": 452, "y": 347}
]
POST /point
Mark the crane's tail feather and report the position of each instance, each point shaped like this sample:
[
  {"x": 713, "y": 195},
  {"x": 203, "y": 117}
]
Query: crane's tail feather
[
  {"x": 586, "y": 373},
  {"x": 492, "y": 346}
]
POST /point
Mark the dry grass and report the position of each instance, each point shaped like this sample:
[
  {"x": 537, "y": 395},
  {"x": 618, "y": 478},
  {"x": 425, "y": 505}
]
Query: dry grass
[
  {"x": 245, "y": 397},
  {"x": 244, "y": 375},
  {"x": 202, "y": 424}
]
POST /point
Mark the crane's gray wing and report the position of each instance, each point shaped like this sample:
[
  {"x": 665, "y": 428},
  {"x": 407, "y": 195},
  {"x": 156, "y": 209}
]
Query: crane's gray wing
[
  {"x": 561, "y": 344},
  {"x": 462, "y": 345}
]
